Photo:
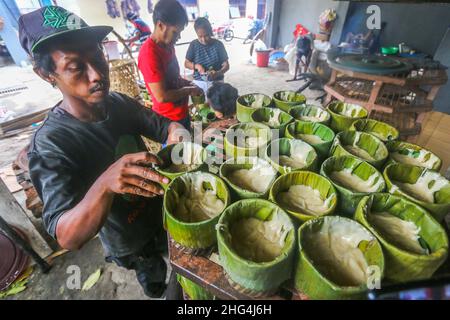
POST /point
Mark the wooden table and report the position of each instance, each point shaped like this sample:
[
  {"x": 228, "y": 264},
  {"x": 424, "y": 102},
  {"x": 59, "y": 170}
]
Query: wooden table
[{"x": 398, "y": 99}]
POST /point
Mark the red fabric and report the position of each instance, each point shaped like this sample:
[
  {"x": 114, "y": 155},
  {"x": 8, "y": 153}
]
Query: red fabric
[
  {"x": 300, "y": 30},
  {"x": 160, "y": 64}
]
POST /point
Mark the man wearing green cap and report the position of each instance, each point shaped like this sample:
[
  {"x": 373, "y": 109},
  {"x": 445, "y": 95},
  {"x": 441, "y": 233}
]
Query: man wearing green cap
[{"x": 84, "y": 160}]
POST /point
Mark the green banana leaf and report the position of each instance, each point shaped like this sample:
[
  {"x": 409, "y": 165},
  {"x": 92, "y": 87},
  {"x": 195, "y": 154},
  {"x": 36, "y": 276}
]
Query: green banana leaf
[
  {"x": 436, "y": 187},
  {"x": 257, "y": 276},
  {"x": 195, "y": 235},
  {"x": 273, "y": 118},
  {"x": 310, "y": 113},
  {"x": 344, "y": 114},
  {"x": 291, "y": 147},
  {"x": 296, "y": 129},
  {"x": 373, "y": 146},
  {"x": 408, "y": 153},
  {"x": 184, "y": 152},
  {"x": 313, "y": 279},
  {"x": 234, "y": 142},
  {"x": 285, "y": 100},
  {"x": 381, "y": 130},
  {"x": 231, "y": 165},
  {"x": 403, "y": 265},
  {"x": 317, "y": 182},
  {"x": 348, "y": 198},
  {"x": 193, "y": 290},
  {"x": 246, "y": 104}
]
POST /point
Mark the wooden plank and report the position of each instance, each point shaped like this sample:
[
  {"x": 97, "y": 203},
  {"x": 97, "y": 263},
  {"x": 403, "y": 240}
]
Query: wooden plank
[
  {"x": 22, "y": 122},
  {"x": 13, "y": 214},
  {"x": 373, "y": 77}
]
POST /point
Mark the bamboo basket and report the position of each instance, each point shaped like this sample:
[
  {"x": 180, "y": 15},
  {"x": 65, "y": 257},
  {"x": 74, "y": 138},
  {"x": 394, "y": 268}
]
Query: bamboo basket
[{"x": 123, "y": 73}]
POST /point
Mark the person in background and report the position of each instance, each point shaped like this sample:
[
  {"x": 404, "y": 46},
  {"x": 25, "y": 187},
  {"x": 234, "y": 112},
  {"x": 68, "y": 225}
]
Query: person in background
[
  {"x": 142, "y": 30},
  {"x": 159, "y": 66},
  {"x": 222, "y": 99},
  {"x": 206, "y": 56}
]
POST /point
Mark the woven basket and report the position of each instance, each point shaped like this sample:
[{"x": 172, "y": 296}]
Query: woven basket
[{"x": 123, "y": 75}]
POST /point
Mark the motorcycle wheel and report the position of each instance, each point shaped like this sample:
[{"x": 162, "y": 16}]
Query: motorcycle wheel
[{"x": 228, "y": 35}]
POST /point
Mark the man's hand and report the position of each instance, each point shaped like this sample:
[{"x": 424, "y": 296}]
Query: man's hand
[
  {"x": 131, "y": 174},
  {"x": 195, "y": 90}
]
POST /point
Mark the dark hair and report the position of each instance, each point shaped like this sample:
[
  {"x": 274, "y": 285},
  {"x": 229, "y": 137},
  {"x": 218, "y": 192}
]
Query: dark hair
[
  {"x": 170, "y": 12},
  {"x": 43, "y": 61},
  {"x": 222, "y": 97},
  {"x": 203, "y": 23}
]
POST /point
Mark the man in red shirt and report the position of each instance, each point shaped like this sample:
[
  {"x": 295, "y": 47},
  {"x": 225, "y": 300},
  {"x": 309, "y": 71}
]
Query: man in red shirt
[{"x": 159, "y": 66}]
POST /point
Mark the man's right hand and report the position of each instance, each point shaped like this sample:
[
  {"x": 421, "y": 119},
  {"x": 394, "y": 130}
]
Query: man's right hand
[{"x": 132, "y": 174}]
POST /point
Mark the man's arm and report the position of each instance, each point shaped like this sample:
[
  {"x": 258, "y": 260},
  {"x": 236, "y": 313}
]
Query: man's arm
[
  {"x": 162, "y": 95},
  {"x": 128, "y": 175}
]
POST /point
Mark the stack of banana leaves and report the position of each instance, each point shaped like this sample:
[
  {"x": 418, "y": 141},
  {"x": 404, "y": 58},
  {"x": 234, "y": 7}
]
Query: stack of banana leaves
[{"x": 321, "y": 200}]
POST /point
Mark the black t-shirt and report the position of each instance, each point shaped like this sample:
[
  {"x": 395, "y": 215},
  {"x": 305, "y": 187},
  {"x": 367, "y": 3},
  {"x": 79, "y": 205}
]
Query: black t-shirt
[
  {"x": 210, "y": 56},
  {"x": 67, "y": 155}
]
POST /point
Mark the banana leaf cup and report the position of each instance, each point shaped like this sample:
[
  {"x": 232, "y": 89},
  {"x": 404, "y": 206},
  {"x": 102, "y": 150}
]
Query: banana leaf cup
[
  {"x": 193, "y": 290},
  {"x": 273, "y": 118},
  {"x": 319, "y": 136},
  {"x": 246, "y": 104},
  {"x": 181, "y": 158},
  {"x": 320, "y": 272},
  {"x": 353, "y": 179},
  {"x": 310, "y": 113},
  {"x": 344, "y": 114},
  {"x": 285, "y": 100},
  {"x": 192, "y": 230},
  {"x": 360, "y": 145},
  {"x": 256, "y": 241},
  {"x": 408, "y": 153},
  {"x": 423, "y": 186},
  {"x": 321, "y": 202},
  {"x": 406, "y": 259},
  {"x": 304, "y": 156},
  {"x": 247, "y": 140},
  {"x": 256, "y": 186},
  {"x": 381, "y": 130}
]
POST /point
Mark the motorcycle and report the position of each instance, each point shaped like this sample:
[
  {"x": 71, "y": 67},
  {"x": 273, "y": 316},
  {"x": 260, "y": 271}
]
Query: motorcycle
[{"x": 224, "y": 31}]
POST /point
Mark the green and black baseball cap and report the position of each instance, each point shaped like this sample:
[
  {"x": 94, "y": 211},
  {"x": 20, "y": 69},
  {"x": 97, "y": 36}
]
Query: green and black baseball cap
[{"x": 41, "y": 26}]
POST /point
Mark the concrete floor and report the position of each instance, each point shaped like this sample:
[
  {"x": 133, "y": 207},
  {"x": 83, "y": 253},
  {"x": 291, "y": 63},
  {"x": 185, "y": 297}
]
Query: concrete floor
[{"x": 115, "y": 282}]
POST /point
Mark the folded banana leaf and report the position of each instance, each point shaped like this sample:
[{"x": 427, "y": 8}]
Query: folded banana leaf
[
  {"x": 272, "y": 117},
  {"x": 409, "y": 255},
  {"x": 288, "y": 155},
  {"x": 245, "y": 105},
  {"x": 180, "y": 222},
  {"x": 319, "y": 200},
  {"x": 344, "y": 114},
  {"x": 319, "y": 136},
  {"x": 256, "y": 241},
  {"x": 423, "y": 186},
  {"x": 408, "y": 153},
  {"x": 285, "y": 100},
  {"x": 193, "y": 290},
  {"x": 353, "y": 179},
  {"x": 255, "y": 184},
  {"x": 310, "y": 113},
  {"x": 381, "y": 130},
  {"x": 360, "y": 145},
  {"x": 247, "y": 140},
  {"x": 341, "y": 270},
  {"x": 181, "y": 158}
]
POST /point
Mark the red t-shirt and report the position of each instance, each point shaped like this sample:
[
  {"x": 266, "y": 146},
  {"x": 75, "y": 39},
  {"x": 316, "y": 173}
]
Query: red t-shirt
[{"x": 160, "y": 64}]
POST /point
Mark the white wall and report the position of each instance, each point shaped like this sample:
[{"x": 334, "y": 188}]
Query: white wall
[
  {"x": 306, "y": 12},
  {"x": 94, "y": 12},
  {"x": 218, "y": 10}
]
